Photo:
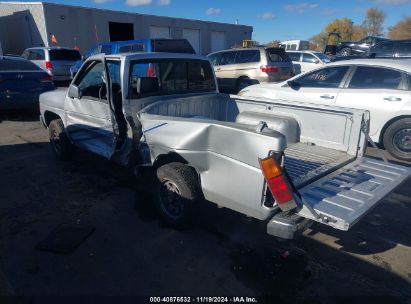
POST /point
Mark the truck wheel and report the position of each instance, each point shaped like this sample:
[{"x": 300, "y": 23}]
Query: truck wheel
[
  {"x": 397, "y": 139},
  {"x": 177, "y": 195},
  {"x": 345, "y": 51},
  {"x": 59, "y": 141}
]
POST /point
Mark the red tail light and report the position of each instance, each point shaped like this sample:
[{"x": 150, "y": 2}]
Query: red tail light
[
  {"x": 47, "y": 78},
  {"x": 277, "y": 183},
  {"x": 151, "y": 71},
  {"x": 49, "y": 65},
  {"x": 269, "y": 69}
]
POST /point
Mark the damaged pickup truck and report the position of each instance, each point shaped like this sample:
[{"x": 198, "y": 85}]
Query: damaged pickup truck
[{"x": 289, "y": 164}]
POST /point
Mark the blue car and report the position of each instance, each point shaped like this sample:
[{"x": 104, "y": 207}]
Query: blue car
[
  {"x": 21, "y": 83},
  {"x": 134, "y": 46}
]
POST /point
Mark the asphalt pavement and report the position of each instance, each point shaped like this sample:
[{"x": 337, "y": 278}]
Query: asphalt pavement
[{"x": 130, "y": 253}]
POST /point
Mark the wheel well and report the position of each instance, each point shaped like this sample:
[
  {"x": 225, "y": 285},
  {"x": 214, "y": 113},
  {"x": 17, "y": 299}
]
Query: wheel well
[
  {"x": 387, "y": 124},
  {"x": 49, "y": 117},
  {"x": 173, "y": 158}
]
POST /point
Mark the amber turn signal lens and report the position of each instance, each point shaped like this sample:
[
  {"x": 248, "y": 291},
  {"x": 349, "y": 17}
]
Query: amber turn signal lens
[{"x": 269, "y": 167}]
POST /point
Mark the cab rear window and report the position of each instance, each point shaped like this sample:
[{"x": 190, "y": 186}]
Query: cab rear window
[{"x": 172, "y": 77}]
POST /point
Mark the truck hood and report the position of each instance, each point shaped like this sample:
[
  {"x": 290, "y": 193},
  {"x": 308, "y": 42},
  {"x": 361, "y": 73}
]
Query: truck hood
[{"x": 54, "y": 98}]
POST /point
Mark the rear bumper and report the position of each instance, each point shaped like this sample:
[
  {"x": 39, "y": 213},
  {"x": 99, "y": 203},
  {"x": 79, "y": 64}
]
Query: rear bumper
[{"x": 287, "y": 226}]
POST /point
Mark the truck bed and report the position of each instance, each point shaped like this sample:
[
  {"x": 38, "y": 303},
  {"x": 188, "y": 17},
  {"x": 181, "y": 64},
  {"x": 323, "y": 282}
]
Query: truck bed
[{"x": 305, "y": 162}]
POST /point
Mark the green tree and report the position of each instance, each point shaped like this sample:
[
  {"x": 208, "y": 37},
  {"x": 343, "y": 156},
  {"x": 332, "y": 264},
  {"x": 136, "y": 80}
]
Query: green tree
[
  {"x": 373, "y": 22},
  {"x": 402, "y": 30}
]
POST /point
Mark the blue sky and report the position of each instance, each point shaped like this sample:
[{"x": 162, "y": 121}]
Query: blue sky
[{"x": 271, "y": 19}]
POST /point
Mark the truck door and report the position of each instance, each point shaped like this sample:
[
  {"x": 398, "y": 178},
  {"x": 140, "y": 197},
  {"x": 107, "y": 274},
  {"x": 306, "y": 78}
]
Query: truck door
[{"x": 89, "y": 117}]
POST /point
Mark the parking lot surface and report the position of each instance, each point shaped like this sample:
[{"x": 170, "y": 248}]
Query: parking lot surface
[{"x": 131, "y": 253}]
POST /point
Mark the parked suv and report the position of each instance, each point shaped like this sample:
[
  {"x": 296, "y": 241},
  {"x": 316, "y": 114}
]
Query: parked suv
[
  {"x": 238, "y": 68},
  {"x": 391, "y": 49},
  {"x": 308, "y": 60},
  {"x": 56, "y": 61},
  {"x": 134, "y": 46}
]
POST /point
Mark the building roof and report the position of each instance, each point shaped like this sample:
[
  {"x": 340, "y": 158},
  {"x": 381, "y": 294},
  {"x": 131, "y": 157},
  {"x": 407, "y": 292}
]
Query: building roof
[{"x": 117, "y": 11}]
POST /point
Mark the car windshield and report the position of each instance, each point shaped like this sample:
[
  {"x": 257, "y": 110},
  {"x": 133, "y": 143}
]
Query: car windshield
[
  {"x": 69, "y": 55},
  {"x": 167, "y": 77},
  {"x": 9, "y": 64},
  {"x": 323, "y": 57}
]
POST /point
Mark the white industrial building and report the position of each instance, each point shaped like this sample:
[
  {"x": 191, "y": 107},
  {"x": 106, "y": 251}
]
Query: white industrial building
[{"x": 27, "y": 24}]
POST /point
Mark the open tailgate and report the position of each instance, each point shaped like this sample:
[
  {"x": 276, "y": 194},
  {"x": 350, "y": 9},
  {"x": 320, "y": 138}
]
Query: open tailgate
[{"x": 343, "y": 197}]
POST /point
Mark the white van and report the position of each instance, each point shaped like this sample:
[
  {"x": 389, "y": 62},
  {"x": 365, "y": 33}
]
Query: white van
[{"x": 295, "y": 45}]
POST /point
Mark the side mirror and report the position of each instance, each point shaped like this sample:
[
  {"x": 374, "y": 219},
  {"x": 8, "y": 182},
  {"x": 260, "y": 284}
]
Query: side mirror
[
  {"x": 74, "y": 91},
  {"x": 83, "y": 57},
  {"x": 293, "y": 84},
  {"x": 317, "y": 61}
]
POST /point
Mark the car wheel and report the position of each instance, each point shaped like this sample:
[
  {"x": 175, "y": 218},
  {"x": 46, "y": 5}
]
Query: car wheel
[
  {"x": 242, "y": 83},
  {"x": 177, "y": 195},
  {"x": 345, "y": 52},
  {"x": 61, "y": 145},
  {"x": 397, "y": 139}
]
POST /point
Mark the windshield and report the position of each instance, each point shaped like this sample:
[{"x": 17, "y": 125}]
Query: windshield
[
  {"x": 166, "y": 77},
  {"x": 324, "y": 58}
]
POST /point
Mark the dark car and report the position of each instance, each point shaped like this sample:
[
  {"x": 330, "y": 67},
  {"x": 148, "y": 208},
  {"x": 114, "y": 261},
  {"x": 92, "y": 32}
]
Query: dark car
[
  {"x": 21, "y": 83},
  {"x": 346, "y": 48},
  {"x": 391, "y": 49}
]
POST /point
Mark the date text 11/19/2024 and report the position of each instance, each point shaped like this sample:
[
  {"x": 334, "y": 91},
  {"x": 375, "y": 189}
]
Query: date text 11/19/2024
[{"x": 203, "y": 300}]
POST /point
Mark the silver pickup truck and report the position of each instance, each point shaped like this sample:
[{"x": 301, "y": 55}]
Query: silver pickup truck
[{"x": 289, "y": 164}]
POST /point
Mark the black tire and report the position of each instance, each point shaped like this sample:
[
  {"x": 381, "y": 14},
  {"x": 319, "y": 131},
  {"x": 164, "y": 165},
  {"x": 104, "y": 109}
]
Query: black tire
[
  {"x": 241, "y": 84},
  {"x": 397, "y": 139},
  {"x": 345, "y": 51},
  {"x": 178, "y": 194},
  {"x": 60, "y": 144}
]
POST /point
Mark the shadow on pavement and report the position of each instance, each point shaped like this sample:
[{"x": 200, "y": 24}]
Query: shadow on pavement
[{"x": 19, "y": 115}]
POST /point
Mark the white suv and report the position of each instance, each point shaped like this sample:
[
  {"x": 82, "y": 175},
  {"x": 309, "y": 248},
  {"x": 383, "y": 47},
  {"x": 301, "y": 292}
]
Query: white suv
[{"x": 308, "y": 60}]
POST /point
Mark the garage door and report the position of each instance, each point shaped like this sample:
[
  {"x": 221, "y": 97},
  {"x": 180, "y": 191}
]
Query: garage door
[
  {"x": 159, "y": 32},
  {"x": 193, "y": 36},
  {"x": 218, "y": 41}
]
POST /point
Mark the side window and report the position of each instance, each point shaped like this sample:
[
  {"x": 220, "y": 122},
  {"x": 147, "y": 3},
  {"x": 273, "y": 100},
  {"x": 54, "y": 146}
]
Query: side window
[
  {"x": 324, "y": 78},
  {"x": 215, "y": 59},
  {"x": 309, "y": 58},
  {"x": 25, "y": 54},
  {"x": 376, "y": 78},
  {"x": 293, "y": 47},
  {"x": 294, "y": 56},
  {"x": 91, "y": 82},
  {"x": 383, "y": 49},
  {"x": 227, "y": 58},
  {"x": 131, "y": 48},
  {"x": 404, "y": 49},
  {"x": 248, "y": 56},
  {"x": 106, "y": 49},
  {"x": 36, "y": 55}
]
